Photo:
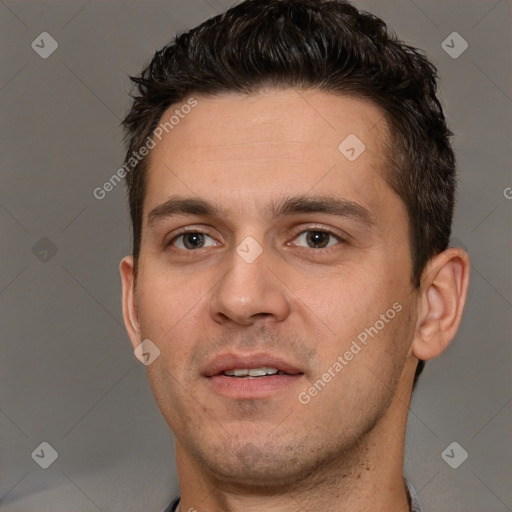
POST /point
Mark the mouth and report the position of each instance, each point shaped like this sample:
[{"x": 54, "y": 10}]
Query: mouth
[
  {"x": 255, "y": 365},
  {"x": 250, "y": 375},
  {"x": 254, "y": 373}
]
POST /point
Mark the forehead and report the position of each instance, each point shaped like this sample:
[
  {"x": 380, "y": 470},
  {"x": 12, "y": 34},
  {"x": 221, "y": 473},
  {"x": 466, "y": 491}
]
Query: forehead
[{"x": 258, "y": 146}]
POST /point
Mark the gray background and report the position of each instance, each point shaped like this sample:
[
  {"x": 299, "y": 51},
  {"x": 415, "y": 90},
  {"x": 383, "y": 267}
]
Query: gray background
[{"x": 67, "y": 371}]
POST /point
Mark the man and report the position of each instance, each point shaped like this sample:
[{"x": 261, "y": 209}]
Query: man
[{"x": 291, "y": 188}]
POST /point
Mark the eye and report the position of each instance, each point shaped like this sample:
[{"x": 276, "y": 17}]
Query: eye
[
  {"x": 318, "y": 238},
  {"x": 192, "y": 240}
]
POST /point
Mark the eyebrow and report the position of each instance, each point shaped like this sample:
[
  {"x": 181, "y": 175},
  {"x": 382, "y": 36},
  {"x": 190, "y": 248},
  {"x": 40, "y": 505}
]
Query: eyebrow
[{"x": 177, "y": 205}]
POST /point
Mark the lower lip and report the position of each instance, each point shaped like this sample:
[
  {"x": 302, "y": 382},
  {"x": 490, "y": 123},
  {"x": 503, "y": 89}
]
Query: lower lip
[{"x": 259, "y": 387}]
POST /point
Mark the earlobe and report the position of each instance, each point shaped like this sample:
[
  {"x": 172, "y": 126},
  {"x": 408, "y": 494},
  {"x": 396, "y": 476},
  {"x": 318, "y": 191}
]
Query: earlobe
[
  {"x": 444, "y": 289},
  {"x": 130, "y": 313}
]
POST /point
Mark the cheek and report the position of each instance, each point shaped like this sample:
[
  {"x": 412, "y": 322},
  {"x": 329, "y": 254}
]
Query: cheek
[
  {"x": 349, "y": 302},
  {"x": 368, "y": 326},
  {"x": 362, "y": 369},
  {"x": 168, "y": 302},
  {"x": 171, "y": 315},
  {"x": 170, "y": 308}
]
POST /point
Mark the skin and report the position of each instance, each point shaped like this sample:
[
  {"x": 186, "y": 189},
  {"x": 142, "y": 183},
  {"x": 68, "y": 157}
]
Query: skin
[{"x": 342, "y": 451}]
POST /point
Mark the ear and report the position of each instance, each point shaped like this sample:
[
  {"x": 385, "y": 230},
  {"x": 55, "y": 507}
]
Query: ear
[
  {"x": 130, "y": 313},
  {"x": 444, "y": 287}
]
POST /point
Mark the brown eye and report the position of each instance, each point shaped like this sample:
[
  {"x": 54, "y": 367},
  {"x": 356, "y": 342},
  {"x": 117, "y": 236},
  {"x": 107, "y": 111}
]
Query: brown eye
[
  {"x": 318, "y": 239},
  {"x": 191, "y": 241}
]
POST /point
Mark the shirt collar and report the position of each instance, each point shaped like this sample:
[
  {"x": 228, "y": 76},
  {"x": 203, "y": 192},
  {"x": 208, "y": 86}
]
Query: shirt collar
[{"x": 413, "y": 497}]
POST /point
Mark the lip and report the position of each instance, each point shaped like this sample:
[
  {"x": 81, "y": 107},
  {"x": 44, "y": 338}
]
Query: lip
[
  {"x": 231, "y": 361},
  {"x": 258, "y": 387}
]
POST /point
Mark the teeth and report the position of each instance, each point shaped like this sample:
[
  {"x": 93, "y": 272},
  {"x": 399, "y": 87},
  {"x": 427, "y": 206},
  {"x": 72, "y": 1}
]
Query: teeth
[
  {"x": 257, "y": 372},
  {"x": 250, "y": 372}
]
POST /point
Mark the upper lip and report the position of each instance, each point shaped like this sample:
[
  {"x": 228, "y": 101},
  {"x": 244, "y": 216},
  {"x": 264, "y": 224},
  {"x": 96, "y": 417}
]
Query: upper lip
[{"x": 231, "y": 361}]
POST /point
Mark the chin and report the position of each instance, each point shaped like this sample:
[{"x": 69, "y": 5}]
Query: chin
[
  {"x": 251, "y": 466},
  {"x": 260, "y": 476}
]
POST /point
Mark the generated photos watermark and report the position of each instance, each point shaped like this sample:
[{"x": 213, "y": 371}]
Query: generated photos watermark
[
  {"x": 137, "y": 156},
  {"x": 304, "y": 397}
]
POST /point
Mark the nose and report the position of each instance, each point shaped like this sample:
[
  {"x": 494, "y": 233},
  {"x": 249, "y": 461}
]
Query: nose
[{"x": 249, "y": 291}]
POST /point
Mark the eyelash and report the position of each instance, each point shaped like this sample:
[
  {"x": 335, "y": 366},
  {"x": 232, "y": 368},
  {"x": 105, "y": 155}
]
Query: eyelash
[{"x": 340, "y": 239}]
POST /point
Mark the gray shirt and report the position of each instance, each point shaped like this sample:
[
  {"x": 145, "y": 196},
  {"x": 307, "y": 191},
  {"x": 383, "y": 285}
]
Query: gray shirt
[{"x": 414, "y": 502}]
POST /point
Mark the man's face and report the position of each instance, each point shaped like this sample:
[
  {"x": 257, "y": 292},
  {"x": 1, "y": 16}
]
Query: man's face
[{"x": 265, "y": 280}]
